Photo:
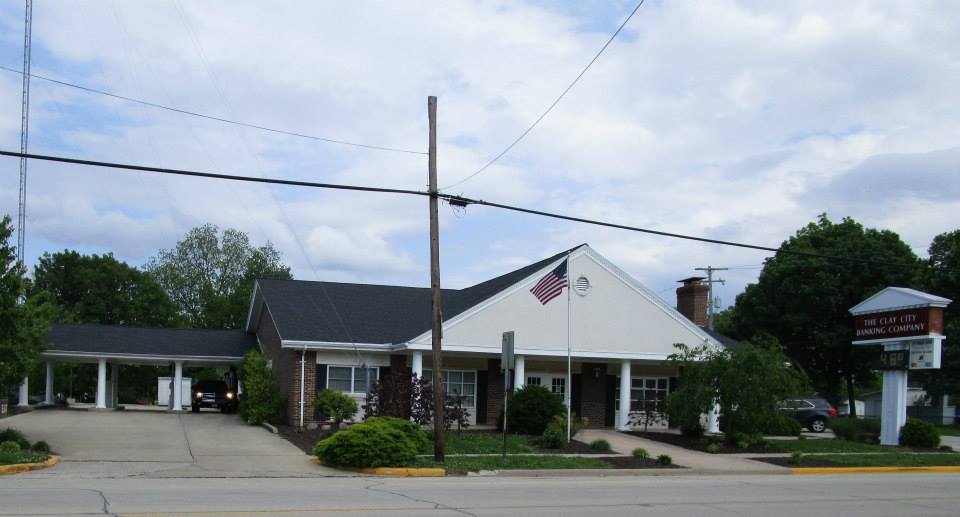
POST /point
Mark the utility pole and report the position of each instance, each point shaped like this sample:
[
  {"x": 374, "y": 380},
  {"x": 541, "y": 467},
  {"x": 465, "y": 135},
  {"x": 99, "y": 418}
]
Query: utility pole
[
  {"x": 710, "y": 282},
  {"x": 439, "y": 407},
  {"x": 24, "y": 130}
]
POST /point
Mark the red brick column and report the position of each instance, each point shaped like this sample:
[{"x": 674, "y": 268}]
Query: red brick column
[
  {"x": 494, "y": 390},
  {"x": 593, "y": 392},
  {"x": 309, "y": 389}
]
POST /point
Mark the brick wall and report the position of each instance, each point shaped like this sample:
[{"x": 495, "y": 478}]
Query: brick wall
[
  {"x": 309, "y": 387},
  {"x": 286, "y": 367},
  {"x": 593, "y": 396}
]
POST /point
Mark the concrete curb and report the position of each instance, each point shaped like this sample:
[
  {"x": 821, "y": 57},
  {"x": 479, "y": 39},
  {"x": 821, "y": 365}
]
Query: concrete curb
[
  {"x": 401, "y": 472},
  {"x": 26, "y": 467},
  {"x": 270, "y": 427},
  {"x": 874, "y": 470},
  {"x": 627, "y": 472}
]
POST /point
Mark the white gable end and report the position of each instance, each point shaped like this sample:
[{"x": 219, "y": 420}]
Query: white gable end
[
  {"x": 894, "y": 298},
  {"x": 617, "y": 317}
]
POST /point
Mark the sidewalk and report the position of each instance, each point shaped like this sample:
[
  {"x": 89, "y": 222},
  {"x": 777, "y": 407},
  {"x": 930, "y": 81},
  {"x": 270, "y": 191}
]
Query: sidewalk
[{"x": 698, "y": 462}]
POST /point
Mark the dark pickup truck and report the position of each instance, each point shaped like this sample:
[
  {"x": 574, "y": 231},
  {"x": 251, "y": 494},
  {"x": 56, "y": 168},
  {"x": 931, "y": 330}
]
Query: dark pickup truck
[{"x": 213, "y": 394}]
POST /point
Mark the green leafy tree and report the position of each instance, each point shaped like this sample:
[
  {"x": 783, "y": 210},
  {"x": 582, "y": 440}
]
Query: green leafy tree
[
  {"x": 260, "y": 402},
  {"x": 101, "y": 289},
  {"x": 942, "y": 277},
  {"x": 699, "y": 377},
  {"x": 210, "y": 275},
  {"x": 22, "y": 325},
  {"x": 804, "y": 301}
]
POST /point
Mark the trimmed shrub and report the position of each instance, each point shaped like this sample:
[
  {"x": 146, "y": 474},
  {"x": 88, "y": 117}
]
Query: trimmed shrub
[
  {"x": 663, "y": 459},
  {"x": 945, "y": 448},
  {"x": 41, "y": 446},
  {"x": 532, "y": 408},
  {"x": 917, "y": 433},
  {"x": 796, "y": 458},
  {"x": 9, "y": 446},
  {"x": 713, "y": 448},
  {"x": 782, "y": 425},
  {"x": 865, "y": 430},
  {"x": 411, "y": 429},
  {"x": 12, "y": 435},
  {"x": 335, "y": 405},
  {"x": 376, "y": 444},
  {"x": 553, "y": 437},
  {"x": 641, "y": 453},
  {"x": 600, "y": 445},
  {"x": 260, "y": 401}
]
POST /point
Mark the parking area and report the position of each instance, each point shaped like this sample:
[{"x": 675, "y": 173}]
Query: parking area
[{"x": 160, "y": 444}]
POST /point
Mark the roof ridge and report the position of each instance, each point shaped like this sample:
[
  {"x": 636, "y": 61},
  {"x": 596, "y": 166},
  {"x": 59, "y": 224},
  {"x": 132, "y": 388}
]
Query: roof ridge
[{"x": 142, "y": 327}]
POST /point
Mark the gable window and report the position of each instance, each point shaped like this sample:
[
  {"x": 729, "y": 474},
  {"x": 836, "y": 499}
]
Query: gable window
[
  {"x": 351, "y": 379},
  {"x": 458, "y": 382}
]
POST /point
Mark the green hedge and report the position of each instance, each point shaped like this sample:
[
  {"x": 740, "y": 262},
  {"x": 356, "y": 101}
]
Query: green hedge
[
  {"x": 917, "y": 433},
  {"x": 532, "y": 408},
  {"x": 379, "y": 442},
  {"x": 865, "y": 430}
]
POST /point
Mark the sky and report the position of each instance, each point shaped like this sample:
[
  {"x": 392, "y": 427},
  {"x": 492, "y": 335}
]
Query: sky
[{"x": 735, "y": 120}]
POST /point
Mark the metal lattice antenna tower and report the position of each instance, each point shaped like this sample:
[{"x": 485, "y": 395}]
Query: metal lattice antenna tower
[{"x": 24, "y": 129}]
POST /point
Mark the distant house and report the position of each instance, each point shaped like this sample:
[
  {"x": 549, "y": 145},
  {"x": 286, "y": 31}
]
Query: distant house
[
  {"x": 942, "y": 411},
  {"x": 345, "y": 336}
]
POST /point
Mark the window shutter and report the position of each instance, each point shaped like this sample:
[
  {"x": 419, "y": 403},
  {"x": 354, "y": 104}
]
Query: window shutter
[
  {"x": 481, "y": 393},
  {"x": 610, "y": 410},
  {"x": 321, "y": 382}
]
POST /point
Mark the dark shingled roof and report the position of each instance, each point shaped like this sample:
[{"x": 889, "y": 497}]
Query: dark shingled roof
[
  {"x": 728, "y": 342},
  {"x": 113, "y": 339},
  {"x": 308, "y": 311}
]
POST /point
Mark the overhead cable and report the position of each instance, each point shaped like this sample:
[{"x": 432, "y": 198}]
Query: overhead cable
[
  {"x": 212, "y": 117},
  {"x": 457, "y": 201}
]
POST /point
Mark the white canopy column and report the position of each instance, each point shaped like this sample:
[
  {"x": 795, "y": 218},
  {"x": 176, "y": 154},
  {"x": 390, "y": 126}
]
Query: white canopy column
[
  {"x": 48, "y": 391},
  {"x": 101, "y": 384},
  {"x": 417, "y": 365},
  {"x": 625, "y": 379},
  {"x": 178, "y": 386},
  {"x": 114, "y": 384},
  {"x": 519, "y": 373},
  {"x": 24, "y": 399}
]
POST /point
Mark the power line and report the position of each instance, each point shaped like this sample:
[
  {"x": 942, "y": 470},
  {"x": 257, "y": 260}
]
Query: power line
[
  {"x": 89, "y": 89},
  {"x": 457, "y": 201},
  {"x": 555, "y": 102}
]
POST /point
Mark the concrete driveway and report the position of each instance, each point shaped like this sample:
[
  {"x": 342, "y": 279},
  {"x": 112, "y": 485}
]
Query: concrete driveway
[{"x": 160, "y": 444}]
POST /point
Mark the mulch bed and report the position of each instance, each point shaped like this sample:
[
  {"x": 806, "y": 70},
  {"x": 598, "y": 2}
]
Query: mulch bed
[
  {"x": 630, "y": 462},
  {"x": 701, "y": 444},
  {"x": 574, "y": 447},
  {"x": 808, "y": 461},
  {"x": 304, "y": 440}
]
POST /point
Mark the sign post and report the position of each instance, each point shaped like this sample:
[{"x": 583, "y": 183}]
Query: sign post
[
  {"x": 908, "y": 324},
  {"x": 506, "y": 361}
]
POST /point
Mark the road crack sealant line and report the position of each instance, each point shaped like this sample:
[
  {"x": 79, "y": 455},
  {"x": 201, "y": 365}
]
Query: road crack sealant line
[
  {"x": 186, "y": 438},
  {"x": 436, "y": 505}
]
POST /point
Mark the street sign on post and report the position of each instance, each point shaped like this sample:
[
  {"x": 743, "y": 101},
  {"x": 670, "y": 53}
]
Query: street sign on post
[{"x": 506, "y": 353}]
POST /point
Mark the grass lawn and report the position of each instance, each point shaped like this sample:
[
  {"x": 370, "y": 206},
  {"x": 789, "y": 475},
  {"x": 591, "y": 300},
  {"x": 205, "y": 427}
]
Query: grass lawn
[
  {"x": 949, "y": 430},
  {"x": 825, "y": 445},
  {"x": 464, "y": 464},
  {"x": 889, "y": 460},
  {"x": 477, "y": 442},
  {"x": 10, "y": 458}
]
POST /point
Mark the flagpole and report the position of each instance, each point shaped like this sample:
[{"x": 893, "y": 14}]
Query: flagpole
[{"x": 569, "y": 390}]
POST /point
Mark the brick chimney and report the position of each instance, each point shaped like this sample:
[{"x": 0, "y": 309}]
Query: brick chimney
[{"x": 692, "y": 299}]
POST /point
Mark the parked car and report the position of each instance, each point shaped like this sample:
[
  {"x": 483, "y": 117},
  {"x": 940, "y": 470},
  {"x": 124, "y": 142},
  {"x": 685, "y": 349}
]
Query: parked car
[
  {"x": 814, "y": 413},
  {"x": 213, "y": 394}
]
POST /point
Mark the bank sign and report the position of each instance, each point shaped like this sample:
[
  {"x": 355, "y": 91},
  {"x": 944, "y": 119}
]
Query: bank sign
[{"x": 899, "y": 324}]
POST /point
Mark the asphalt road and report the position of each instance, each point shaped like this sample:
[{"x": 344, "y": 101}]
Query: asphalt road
[{"x": 674, "y": 496}]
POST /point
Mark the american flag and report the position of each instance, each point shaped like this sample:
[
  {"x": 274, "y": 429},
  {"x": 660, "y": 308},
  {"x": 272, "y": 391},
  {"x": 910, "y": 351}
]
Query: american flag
[{"x": 552, "y": 284}]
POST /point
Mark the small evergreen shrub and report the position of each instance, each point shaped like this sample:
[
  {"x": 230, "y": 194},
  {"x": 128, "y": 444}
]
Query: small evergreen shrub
[
  {"x": 335, "y": 405},
  {"x": 12, "y": 435},
  {"x": 663, "y": 459},
  {"x": 553, "y": 437},
  {"x": 370, "y": 444},
  {"x": 782, "y": 425},
  {"x": 743, "y": 444},
  {"x": 600, "y": 445},
  {"x": 796, "y": 458},
  {"x": 945, "y": 448},
  {"x": 713, "y": 448},
  {"x": 641, "y": 453},
  {"x": 532, "y": 408},
  {"x": 917, "y": 433},
  {"x": 9, "y": 446},
  {"x": 865, "y": 430},
  {"x": 410, "y": 429},
  {"x": 41, "y": 446}
]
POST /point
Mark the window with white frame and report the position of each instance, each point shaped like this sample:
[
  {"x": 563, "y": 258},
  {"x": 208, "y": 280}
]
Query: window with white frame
[
  {"x": 646, "y": 393},
  {"x": 351, "y": 379},
  {"x": 458, "y": 382},
  {"x": 558, "y": 385},
  {"x": 534, "y": 380}
]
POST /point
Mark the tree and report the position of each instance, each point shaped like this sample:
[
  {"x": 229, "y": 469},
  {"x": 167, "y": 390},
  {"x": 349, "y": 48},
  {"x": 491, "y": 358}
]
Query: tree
[
  {"x": 100, "y": 289},
  {"x": 697, "y": 393},
  {"x": 22, "y": 325},
  {"x": 942, "y": 277},
  {"x": 210, "y": 275},
  {"x": 804, "y": 301},
  {"x": 260, "y": 401}
]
